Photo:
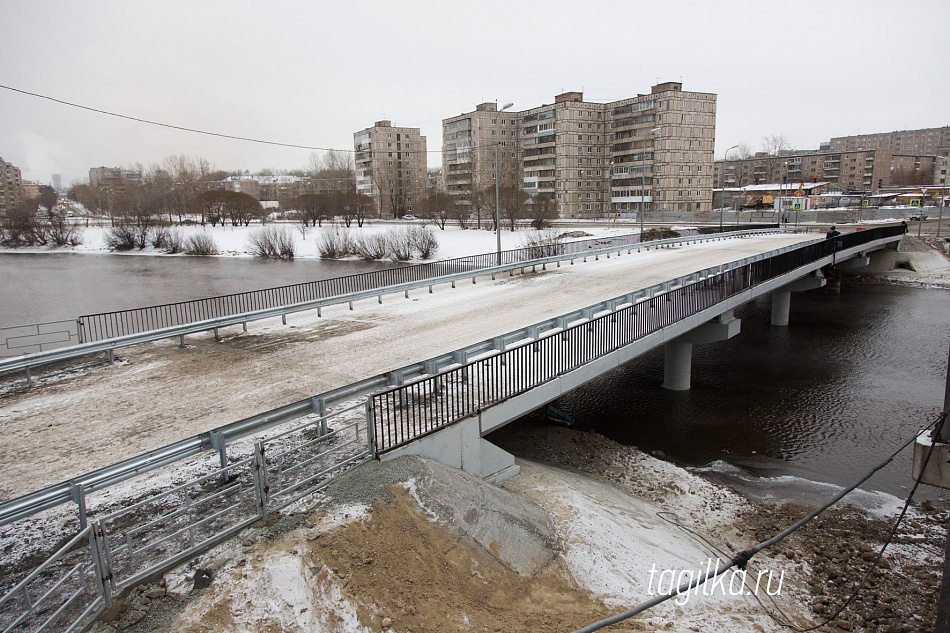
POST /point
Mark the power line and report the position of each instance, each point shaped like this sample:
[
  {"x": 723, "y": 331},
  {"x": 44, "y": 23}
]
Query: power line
[
  {"x": 171, "y": 126},
  {"x": 188, "y": 129}
]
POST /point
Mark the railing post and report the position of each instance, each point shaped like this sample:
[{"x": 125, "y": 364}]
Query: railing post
[
  {"x": 78, "y": 494},
  {"x": 371, "y": 427},
  {"x": 220, "y": 443},
  {"x": 104, "y": 580},
  {"x": 261, "y": 488}
]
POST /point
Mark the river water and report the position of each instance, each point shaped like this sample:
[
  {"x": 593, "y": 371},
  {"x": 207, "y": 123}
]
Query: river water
[
  {"x": 782, "y": 412},
  {"x": 773, "y": 410},
  {"x": 51, "y": 287}
]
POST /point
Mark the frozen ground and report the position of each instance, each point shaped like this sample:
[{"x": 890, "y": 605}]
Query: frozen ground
[
  {"x": 233, "y": 241},
  {"x": 160, "y": 393}
]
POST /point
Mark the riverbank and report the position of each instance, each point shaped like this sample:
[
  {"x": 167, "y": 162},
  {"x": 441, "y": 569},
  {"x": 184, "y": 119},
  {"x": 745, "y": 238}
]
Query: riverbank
[
  {"x": 411, "y": 545},
  {"x": 234, "y": 241}
]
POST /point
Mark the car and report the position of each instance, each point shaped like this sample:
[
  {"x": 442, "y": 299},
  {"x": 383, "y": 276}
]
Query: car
[
  {"x": 409, "y": 216},
  {"x": 918, "y": 217}
]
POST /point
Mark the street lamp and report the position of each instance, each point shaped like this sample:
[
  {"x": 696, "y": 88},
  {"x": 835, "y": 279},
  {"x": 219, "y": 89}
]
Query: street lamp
[
  {"x": 497, "y": 194},
  {"x": 722, "y": 198},
  {"x": 643, "y": 164}
]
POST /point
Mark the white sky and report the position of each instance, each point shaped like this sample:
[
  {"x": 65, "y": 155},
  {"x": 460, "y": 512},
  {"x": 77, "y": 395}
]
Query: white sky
[{"x": 312, "y": 73}]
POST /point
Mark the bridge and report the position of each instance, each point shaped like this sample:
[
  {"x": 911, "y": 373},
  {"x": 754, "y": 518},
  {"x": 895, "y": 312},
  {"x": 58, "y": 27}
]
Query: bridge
[{"x": 582, "y": 320}]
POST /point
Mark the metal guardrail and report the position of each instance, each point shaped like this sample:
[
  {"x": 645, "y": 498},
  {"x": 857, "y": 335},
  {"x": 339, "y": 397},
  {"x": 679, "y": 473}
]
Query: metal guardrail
[
  {"x": 74, "y": 490},
  {"x": 539, "y": 256},
  {"x": 38, "y": 337},
  {"x": 406, "y": 412},
  {"x": 167, "y": 527}
]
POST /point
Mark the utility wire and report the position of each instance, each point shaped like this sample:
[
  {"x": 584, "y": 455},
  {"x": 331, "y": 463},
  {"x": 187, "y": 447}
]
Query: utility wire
[
  {"x": 205, "y": 132},
  {"x": 742, "y": 559}
]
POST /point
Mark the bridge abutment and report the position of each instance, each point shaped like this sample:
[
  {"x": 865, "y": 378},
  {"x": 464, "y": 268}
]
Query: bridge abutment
[
  {"x": 462, "y": 446},
  {"x": 782, "y": 297},
  {"x": 678, "y": 353}
]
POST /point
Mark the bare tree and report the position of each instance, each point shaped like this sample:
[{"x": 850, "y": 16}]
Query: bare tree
[
  {"x": 483, "y": 203},
  {"x": 312, "y": 209},
  {"x": 776, "y": 144},
  {"x": 513, "y": 203},
  {"x": 542, "y": 210},
  {"x": 361, "y": 207},
  {"x": 210, "y": 205},
  {"x": 241, "y": 208},
  {"x": 438, "y": 207},
  {"x": 744, "y": 151}
]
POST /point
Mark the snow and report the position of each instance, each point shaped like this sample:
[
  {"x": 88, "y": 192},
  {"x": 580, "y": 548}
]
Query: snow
[{"x": 232, "y": 241}]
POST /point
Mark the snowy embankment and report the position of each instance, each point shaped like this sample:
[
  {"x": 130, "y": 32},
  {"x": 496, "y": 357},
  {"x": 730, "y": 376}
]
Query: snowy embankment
[{"x": 232, "y": 241}]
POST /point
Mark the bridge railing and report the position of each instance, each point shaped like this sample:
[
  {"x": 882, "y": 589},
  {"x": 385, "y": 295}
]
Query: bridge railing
[
  {"x": 103, "y": 326},
  {"x": 162, "y": 527},
  {"x": 407, "y": 412}
]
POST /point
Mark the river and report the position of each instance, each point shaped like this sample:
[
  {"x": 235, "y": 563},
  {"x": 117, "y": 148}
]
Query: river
[
  {"x": 782, "y": 412},
  {"x": 55, "y": 286},
  {"x": 773, "y": 410}
]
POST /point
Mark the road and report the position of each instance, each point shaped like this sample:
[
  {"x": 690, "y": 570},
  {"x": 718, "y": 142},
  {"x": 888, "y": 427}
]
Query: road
[{"x": 158, "y": 393}]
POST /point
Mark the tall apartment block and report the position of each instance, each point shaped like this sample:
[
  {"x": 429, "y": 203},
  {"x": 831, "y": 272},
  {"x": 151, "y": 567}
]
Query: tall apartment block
[
  {"x": 11, "y": 186},
  {"x": 391, "y": 167},
  {"x": 653, "y": 151},
  {"x": 927, "y": 141},
  {"x": 468, "y": 151}
]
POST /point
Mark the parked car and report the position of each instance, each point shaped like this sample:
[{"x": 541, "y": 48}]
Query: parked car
[{"x": 409, "y": 216}]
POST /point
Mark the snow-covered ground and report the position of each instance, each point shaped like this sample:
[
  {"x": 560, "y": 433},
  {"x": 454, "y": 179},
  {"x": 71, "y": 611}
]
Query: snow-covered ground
[{"x": 234, "y": 241}]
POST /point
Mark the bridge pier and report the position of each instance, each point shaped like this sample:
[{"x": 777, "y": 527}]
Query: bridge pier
[
  {"x": 678, "y": 353},
  {"x": 782, "y": 297}
]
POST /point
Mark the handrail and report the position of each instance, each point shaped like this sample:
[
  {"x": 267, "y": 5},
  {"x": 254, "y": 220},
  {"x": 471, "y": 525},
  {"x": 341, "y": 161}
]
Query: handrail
[
  {"x": 406, "y": 412},
  {"x": 27, "y": 361},
  {"x": 67, "y": 491}
]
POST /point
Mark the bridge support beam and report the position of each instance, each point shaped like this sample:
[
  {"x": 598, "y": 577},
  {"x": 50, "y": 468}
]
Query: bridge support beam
[
  {"x": 678, "y": 362},
  {"x": 782, "y": 297}
]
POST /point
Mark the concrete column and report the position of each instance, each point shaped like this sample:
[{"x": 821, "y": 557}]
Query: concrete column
[
  {"x": 677, "y": 368},
  {"x": 781, "y": 303},
  {"x": 782, "y": 297},
  {"x": 677, "y": 365}
]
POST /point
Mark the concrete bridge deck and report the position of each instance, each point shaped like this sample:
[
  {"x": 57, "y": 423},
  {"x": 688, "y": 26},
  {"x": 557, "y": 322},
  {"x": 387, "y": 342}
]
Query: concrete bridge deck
[{"x": 160, "y": 393}]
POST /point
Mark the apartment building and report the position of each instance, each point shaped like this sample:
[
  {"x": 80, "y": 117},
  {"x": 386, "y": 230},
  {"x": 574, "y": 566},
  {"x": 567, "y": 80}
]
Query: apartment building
[
  {"x": 853, "y": 171},
  {"x": 114, "y": 177},
  {"x": 927, "y": 141},
  {"x": 391, "y": 167},
  {"x": 468, "y": 151},
  {"x": 594, "y": 159},
  {"x": 11, "y": 186},
  {"x": 671, "y": 135}
]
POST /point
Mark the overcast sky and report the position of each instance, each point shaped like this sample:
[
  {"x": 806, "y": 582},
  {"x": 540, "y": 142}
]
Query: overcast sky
[{"x": 312, "y": 73}]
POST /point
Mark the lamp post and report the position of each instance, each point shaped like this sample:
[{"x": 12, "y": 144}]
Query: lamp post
[
  {"x": 643, "y": 165},
  {"x": 722, "y": 199},
  {"x": 497, "y": 193}
]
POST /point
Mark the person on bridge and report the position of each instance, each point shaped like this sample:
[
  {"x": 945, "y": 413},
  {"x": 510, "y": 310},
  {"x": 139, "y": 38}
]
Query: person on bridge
[{"x": 832, "y": 233}]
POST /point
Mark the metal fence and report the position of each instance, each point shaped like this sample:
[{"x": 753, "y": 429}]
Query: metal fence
[
  {"x": 167, "y": 527},
  {"x": 406, "y": 412},
  {"x": 108, "y": 325},
  {"x": 38, "y": 337}
]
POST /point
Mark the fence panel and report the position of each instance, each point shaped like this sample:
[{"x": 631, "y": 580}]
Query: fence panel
[
  {"x": 38, "y": 337},
  {"x": 60, "y": 594},
  {"x": 167, "y": 526},
  {"x": 303, "y": 459}
]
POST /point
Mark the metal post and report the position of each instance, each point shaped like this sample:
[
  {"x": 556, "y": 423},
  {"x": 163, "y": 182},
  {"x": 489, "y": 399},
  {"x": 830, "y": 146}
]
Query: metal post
[
  {"x": 370, "y": 427},
  {"x": 943, "y": 601}
]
